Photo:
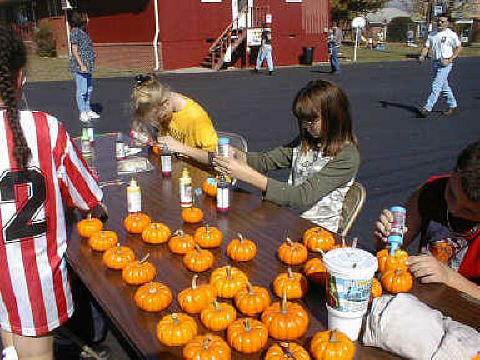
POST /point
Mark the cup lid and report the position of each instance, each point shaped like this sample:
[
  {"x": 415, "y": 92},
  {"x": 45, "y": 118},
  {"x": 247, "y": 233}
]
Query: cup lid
[{"x": 350, "y": 262}]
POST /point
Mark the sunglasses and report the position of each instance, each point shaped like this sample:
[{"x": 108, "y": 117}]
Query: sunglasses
[{"x": 142, "y": 79}]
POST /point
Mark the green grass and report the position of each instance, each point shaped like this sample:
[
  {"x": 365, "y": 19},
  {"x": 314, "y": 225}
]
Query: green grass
[
  {"x": 393, "y": 52},
  {"x": 56, "y": 69}
]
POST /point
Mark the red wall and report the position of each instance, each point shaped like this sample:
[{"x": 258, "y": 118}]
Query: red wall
[
  {"x": 290, "y": 22},
  {"x": 186, "y": 25}
]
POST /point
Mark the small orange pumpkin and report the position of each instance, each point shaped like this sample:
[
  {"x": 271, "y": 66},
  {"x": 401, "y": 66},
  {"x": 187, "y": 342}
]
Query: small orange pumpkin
[
  {"x": 252, "y": 299},
  {"x": 198, "y": 259},
  {"x": 176, "y": 329},
  {"x": 194, "y": 299},
  {"x": 241, "y": 249},
  {"x": 207, "y": 347},
  {"x": 385, "y": 260},
  {"x": 192, "y": 215},
  {"x": 286, "y": 350},
  {"x": 442, "y": 251},
  {"x": 247, "y": 335},
  {"x": 156, "y": 233},
  {"x": 376, "y": 288},
  {"x": 138, "y": 272},
  {"x": 217, "y": 316},
  {"x": 332, "y": 344},
  {"x": 208, "y": 237},
  {"x": 397, "y": 280},
  {"x": 228, "y": 281},
  {"x": 103, "y": 240},
  {"x": 153, "y": 297},
  {"x": 285, "y": 320},
  {"x": 89, "y": 226},
  {"x": 135, "y": 223},
  {"x": 181, "y": 243},
  {"x": 316, "y": 271},
  {"x": 209, "y": 187},
  {"x": 292, "y": 253},
  {"x": 294, "y": 283},
  {"x": 318, "y": 239},
  {"x": 118, "y": 257}
]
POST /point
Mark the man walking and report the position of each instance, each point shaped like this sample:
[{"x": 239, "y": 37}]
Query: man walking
[
  {"x": 445, "y": 47},
  {"x": 335, "y": 39}
]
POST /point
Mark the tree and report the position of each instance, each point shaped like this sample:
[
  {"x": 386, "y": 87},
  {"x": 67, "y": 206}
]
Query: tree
[{"x": 348, "y": 9}]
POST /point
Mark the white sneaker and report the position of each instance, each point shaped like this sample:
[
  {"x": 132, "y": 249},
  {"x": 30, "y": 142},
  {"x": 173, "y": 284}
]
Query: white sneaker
[
  {"x": 93, "y": 115},
  {"x": 84, "y": 117}
]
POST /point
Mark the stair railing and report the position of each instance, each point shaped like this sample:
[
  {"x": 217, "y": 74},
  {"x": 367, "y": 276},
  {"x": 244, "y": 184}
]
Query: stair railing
[{"x": 224, "y": 41}]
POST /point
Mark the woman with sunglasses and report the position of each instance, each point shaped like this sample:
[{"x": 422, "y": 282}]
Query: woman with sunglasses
[
  {"x": 445, "y": 208},
  {"x": 181, "y": 123},
  {"x": 324, "y": 158}
]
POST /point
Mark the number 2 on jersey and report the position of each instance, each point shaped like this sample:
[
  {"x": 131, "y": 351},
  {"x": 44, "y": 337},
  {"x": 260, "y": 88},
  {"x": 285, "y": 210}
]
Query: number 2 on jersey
[{"x": 22, "y": 225}]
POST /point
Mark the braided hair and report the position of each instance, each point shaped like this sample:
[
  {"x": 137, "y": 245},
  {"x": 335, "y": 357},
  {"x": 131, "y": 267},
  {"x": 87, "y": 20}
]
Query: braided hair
[{"x": 12, "y": 58}]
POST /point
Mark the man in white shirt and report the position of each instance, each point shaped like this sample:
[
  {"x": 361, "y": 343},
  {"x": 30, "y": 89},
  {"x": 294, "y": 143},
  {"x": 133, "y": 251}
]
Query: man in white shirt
[{"x": 445, "y": 47}]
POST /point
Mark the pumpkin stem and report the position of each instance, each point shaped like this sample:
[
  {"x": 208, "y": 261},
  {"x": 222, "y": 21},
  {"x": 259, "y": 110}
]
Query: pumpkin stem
[
  {"x": 215, "y": 305},
  {"x": 284, "y": 302},
  {"x": 152, "y": 289},
  {"x": 240, "y": 236},
  {"x": 175, "y": 319},
  {"x": 198, "y": 248},
  {"x": 206, "y": 342},
  {"x": 286, "y": 350},
  {"x": 194, "y": 281},
  {"x": 333, "y": 336},
  {"x": 289, "y": 241},
  {"x": 246, "y": 326},
  {"x": 290, "y": 273},
  {"x": 179, "y": 232},
  {"x": 155, "y": 226},
  {"x": 250, "y": 288},
  {"x": 118, "y": 244},
  {"x": 144, "y": 258},
  {"x": 229, "y": 272},
  {"x": 398, "y": 272},
  {"x": 89, "y": 216},
  {"x": 207, "y": 228}
]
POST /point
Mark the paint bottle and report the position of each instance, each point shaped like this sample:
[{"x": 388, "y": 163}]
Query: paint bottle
[
  {"x": 134, "y": 197},
  {"x": 395, "y": 236},
  {"x": 223, "y": 146},
  {"x": 120, "y": 147},
  {"x": 86, "y": 145},
  {"x": 166, "y": 160},
  {"x": 185, "y": 184},
  {"x": 142, "y": 137},
  {"x": 223, "y": 195}
]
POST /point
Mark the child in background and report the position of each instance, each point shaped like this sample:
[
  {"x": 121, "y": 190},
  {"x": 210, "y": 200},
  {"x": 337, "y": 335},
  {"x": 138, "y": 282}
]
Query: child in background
[{"x": 324, "y": 158}]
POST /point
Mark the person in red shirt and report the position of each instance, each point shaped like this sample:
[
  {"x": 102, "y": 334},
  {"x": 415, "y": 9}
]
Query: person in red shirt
[
  {"x": 445, "y": 208},
  {"x": 41, "y": 172}
]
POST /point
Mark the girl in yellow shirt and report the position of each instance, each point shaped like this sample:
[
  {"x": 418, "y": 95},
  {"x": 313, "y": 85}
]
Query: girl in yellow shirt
[{"x": 177, "y": 118}]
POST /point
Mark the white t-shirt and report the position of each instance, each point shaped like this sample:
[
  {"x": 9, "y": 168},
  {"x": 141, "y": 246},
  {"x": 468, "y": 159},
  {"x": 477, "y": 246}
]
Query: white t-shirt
[{"x": 442, "y": 43}]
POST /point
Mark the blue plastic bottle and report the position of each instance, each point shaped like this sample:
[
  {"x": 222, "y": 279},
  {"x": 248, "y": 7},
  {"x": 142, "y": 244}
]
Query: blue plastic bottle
[{"x": 395, "y": 237}]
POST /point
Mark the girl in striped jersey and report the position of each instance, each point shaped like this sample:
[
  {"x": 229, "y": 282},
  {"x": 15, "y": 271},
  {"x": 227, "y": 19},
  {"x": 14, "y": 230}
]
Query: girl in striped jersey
[{"x": 41, "y": 171}]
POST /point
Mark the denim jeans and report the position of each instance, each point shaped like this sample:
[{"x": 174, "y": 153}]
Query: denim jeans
[
  {"x": 440, "y": 85},
  {"x": 265, "y": 52},
  {"x": 335, "y": 64},
  {"x": 84, "y": 85}
]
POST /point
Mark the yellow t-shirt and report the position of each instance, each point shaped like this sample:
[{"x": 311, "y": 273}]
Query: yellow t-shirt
[{"x": 193, "y": 127}]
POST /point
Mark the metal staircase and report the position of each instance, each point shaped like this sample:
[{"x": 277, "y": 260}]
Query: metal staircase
[{"x": 228, "y": 43}]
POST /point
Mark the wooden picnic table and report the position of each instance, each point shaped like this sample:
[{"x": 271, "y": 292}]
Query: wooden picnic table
[{"x": 261, "y": 221}]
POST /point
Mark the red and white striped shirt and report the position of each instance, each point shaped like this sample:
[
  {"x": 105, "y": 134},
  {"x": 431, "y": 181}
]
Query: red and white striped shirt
[{"x": 35, "y": 295}]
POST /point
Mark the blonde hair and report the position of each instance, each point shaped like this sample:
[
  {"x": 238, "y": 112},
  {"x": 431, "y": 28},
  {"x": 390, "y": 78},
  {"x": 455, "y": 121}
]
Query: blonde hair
[{"x": 148, "y": 98}]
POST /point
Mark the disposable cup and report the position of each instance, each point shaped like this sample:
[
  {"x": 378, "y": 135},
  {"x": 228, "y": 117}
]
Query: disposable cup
[
  {"x": 349, "y": 282},
  {"x": 347, "y": 322}
]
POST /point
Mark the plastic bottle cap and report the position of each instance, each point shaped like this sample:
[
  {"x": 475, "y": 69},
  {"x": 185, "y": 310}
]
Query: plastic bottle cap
[
  {"x": 133, "y": 183},
  {"x": 223, "y": 140}
]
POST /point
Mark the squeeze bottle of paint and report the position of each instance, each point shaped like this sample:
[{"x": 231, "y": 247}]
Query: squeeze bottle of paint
[
  {"x": 395, "y": 237},
  {"x": 134, "y": 197},
  {"x": 185, "y": 184},
  {"x": 223, "y": 195},
  {"x": 166, "y": 159}
]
